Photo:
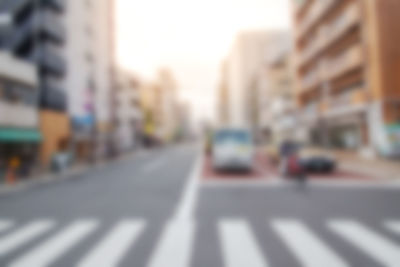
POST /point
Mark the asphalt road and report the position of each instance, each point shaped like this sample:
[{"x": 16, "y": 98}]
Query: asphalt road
[{"x": 152, "y": 209}]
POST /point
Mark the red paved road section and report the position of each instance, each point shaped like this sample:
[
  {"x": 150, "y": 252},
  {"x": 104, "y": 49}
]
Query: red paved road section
[{"x": 264, "y": 170}]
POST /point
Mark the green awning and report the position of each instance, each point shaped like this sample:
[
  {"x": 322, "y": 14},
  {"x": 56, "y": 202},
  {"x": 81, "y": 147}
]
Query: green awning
[{"x": 19, "y": 135}]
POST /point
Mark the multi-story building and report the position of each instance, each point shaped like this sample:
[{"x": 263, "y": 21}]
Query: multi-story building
[
  {"x": 223, "y": 97},
  {"x": 169, "y": 108},
  {"x": 277, "y": 100},
  {"x": 248, "y": 55},
  {"x": 38, "y": 35},
  {"x": 160, "y": 107},
  {"x": 20, "y": 135},
  {"x": 127, "y": 111},
  {"x": 348, "y": 63},
  {"x": 89, "y": 77}
]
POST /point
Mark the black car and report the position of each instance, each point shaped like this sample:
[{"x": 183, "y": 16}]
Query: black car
[{"x": 317, "y": 161}]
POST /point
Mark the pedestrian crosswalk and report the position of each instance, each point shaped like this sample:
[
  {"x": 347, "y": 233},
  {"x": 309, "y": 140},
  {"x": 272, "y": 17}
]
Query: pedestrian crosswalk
[
  {"x": 46, "y": 242},
  {"x": 370, "y": 242},
  {"x": 4, "y": 225},
  {"x": 303, "y": 243},
  {"x": 112, "y": 248},
  {"x": 235, "y": 236}
]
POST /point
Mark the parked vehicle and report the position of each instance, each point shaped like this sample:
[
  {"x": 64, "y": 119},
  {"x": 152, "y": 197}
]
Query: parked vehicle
[
  {"x": 233, "y": 149},
  {"x": 317, "y": 161}
]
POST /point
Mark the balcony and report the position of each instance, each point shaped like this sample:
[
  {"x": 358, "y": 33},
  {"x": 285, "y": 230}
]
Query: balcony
[
  {"x": 58, "y": 5},
  {"x": 349, "y": 18},
  {"x": 22, "y": 33},
  {"x": 311, "y": 50},
  {"x": 48, "y": 24},
  {"x": 49, "y": 59},
  {"x": 329, "y": 33},
  {"x": 14, "y": 6},
  {"x": 51, "y": 26},
  {"x": 300, "y": 5},
  {"x": 359, "y": 97},
  {"x": 310, "y": 80},
  {"x": 317, "y": 11},
  {"x": 344, "y": 63},
  {"x": 53, "y": 98},
  {"x": 18, "y": 115}
]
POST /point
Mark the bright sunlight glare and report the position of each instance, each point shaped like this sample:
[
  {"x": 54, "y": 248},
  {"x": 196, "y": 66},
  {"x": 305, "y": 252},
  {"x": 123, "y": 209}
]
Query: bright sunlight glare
[{"x": 190, "y": 37}]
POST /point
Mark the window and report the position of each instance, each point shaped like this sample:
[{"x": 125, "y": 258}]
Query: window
[{"x": 18, "y": 93}]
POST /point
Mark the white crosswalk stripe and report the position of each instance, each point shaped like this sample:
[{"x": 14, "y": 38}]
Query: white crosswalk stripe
[
  {"x": 309, "y": 249},
  {"x": 238, "y": 245},
  {"x": 5, "y": 225},
  {"x": 24, "y": 235},
  {"x": 368, "y": 241},
  {"x": 394, "y": 226},
  {"x": 113, "y": 247},
  {"x": 175, "y": 246},
  {"x": 46, "y": 253}
]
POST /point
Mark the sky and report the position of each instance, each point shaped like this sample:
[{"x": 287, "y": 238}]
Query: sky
[{"x": 191, "y": 38}]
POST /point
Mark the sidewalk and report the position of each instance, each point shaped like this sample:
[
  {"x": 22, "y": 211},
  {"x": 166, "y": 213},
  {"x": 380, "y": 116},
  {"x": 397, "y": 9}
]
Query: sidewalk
[
  {"x": 379, "y": 168},
  {"x": 71, "y": 172}
]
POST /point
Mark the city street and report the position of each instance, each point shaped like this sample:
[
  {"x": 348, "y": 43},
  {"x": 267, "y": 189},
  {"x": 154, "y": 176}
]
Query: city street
[{"x": 153, "y": 208}]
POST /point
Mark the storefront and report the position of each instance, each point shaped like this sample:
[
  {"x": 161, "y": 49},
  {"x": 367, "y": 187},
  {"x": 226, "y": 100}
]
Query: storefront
[
  {"x": 346, "y": 128},
  {"x": 22, "y": 146}
]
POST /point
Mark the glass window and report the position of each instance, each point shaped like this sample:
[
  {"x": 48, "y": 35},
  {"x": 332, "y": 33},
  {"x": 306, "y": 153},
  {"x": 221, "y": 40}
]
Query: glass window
[{"x": 233, "y": 136}]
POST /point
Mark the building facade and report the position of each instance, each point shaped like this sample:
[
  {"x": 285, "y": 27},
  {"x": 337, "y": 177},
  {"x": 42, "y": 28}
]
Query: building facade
[
  {"x": 38, "y": 35},
  {"x": 278, "y": 120},
  {"x": 223, "y": 97},
  {"x": 89, "y": 76},
  {"x": 20, "y": 136},
  {"x": 347, "y": 54},
  {"x": 248, "y": 56},
  {"x": 161, "y": 108},
  {"x": 128, "y": 113}
]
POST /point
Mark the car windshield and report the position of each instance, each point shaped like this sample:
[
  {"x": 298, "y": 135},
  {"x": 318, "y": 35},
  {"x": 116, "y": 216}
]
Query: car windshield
[{"x": 232, "y": 136}]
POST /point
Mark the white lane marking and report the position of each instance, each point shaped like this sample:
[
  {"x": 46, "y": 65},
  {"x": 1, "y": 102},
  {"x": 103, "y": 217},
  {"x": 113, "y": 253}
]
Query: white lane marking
[
  {"x": 308, "y": 248},
  {"x": 49, "y": 251},
  {"x": 114, "y": 246},
  {"x": 368, "y": 241},
  {"x": 184, "y": 210},
  {"x": 175, "y": 246},
  {"x": 5, "y": 225},
  {"x": 152, "y": 166},
  {"x": 238, "y": 245},
  {"x": 393, "y": 226},
  {"x": 24, "y": 235}
]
